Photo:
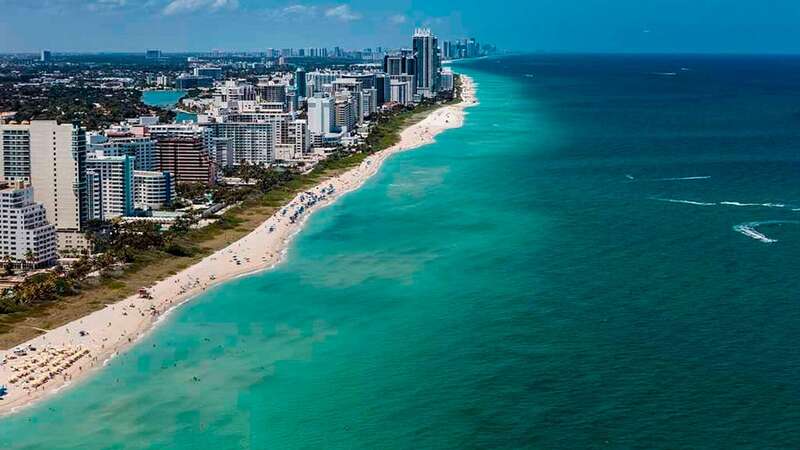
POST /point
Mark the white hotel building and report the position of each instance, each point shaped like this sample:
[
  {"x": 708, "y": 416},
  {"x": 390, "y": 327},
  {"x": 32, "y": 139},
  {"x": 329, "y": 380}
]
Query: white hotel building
[
  {"x": 24, "y": 227},
  {"x": 152, "y": 190}
]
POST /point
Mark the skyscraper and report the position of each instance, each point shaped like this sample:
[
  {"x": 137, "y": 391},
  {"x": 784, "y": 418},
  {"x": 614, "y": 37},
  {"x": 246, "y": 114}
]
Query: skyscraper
[
  {"x": 46, "y": 56},
  {"x": 300, "y": 82},
  {"x": 321, "y": 114},
  {"x": 428, "y": 63},
  {"x": 58, "y": 175},
  {"x": 15, "y": 151},
  {"x": 109, "y": 183}
]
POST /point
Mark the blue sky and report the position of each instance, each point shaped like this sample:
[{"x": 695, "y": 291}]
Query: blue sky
[{"x": 739, "y": 26}]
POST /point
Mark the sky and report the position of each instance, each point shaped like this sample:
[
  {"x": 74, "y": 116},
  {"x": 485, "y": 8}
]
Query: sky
[{"x": 614, "y": 26}]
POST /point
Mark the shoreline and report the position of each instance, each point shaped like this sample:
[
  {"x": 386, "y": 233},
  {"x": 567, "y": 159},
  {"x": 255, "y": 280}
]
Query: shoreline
[{"x": 71, "y": 352}]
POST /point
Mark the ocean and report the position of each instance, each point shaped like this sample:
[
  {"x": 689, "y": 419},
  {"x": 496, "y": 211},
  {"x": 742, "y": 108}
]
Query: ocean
[{"x": 601, "y": 257}]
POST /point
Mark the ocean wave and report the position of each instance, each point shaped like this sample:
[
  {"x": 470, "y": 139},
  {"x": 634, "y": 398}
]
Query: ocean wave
[
  {"x": 705, "y": 177},
  {"x": 765, "y": 205},
  {"x": 687, "y": 202},
  {"x": 750, "y": 229}
]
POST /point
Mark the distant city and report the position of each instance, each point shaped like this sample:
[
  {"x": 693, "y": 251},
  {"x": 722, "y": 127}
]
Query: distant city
[{"x": 80, "y": 144}]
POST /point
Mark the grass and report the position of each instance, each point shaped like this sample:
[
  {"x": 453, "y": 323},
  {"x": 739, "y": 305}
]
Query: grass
[{"x": 150, "y": 267}]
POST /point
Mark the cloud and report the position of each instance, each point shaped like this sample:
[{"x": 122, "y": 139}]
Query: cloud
[
  {"x": 290, "y": 11},
  {"x": 398, "y": 19},
  {"x": 190, "y": 6},
  {"x": 343, "y": 13}
]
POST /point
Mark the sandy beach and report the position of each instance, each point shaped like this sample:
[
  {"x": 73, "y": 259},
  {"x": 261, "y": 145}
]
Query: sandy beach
[{"x": 62, "y": 356}]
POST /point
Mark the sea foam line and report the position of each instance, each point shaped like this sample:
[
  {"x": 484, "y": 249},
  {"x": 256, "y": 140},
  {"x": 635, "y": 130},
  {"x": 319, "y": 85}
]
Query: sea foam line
[
  {"x": 704, "y": 177},
  {"x": 765, "y": 205},
  {"x": 687, "y": 202},
  {"x": 750, "y": 229}
]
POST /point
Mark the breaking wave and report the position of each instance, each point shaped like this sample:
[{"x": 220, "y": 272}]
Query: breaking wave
[{"x": 750, "y": 229}]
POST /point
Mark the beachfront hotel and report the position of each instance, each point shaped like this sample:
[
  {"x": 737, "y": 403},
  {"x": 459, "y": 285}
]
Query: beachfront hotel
[
  {"x": 58, "y": 175},
  {"x": 109, "y": 186},
  {"x": 26, "y": 237}
]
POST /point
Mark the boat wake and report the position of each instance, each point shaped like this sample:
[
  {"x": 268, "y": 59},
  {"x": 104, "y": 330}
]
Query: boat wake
[
  {"x": 765, "y": 205},
  {"x": 683, "y": 178},
  {"x": 686, "y": 202},
  {"x": 704, "y": 177},
  {"x": 750, "y": 229}
]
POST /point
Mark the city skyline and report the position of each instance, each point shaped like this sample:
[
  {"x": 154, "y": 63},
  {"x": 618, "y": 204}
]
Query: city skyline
[{"x": 663, "y": 26}]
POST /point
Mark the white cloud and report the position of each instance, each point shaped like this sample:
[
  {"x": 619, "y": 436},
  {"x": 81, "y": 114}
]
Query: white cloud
[
  {"x": 190, "y": 6},
  {"x": 398, "y": 19},
  {"x": 343, "y": 13},
  {"x": 290, "y": 11}
]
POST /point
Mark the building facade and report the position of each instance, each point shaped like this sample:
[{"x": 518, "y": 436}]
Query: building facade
[
  {"x": 152, "y": 190},
  {"x": 26, "y": 237},
  {"x": 109, "y": 183},
  {"x": 58, "y": 174}
]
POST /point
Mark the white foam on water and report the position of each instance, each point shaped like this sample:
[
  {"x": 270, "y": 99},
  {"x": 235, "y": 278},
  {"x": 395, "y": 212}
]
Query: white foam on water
[
  {"x": 765, "y": 205},
  {"x": 750, "y": 229},
  {"x": 739, "y": 204},
  {"x": 686, "y": 202},
  {"x": 683, "y": 178}
]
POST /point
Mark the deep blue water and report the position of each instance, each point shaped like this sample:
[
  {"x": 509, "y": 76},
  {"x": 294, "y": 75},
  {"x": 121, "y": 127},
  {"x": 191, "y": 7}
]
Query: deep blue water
[{"x": 564, "y": 271}]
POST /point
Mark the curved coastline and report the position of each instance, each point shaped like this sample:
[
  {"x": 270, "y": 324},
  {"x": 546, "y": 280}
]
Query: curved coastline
[{"x": 102, "y": 335}]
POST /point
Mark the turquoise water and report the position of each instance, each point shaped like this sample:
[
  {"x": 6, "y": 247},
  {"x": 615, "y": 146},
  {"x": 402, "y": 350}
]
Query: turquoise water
[
  {"x": 168, "y": 99},
  {"x": 164, "y": 98},
  {"x": 535, "y": 279}
]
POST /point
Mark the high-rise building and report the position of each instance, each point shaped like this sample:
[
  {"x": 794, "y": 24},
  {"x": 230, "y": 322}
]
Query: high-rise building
[
  {"x": 382, "y": 86},
  {"x": 15, "y": 151},
  {"x": 272, "y": 93},
  {"x": 300, "y": 82},
  {"x": 182, "y": 130},
  {"x": 26, "y": 237},
  {"x": 114, "y": 143},
  {"x": 215, "y": 73},
  {"x": 186, "y": 158},
  {"x": 428, "y": 63},
  {"x": 58, "y": 174},
  {"x": 46, "y": 56},
  {"x": 297, "y": 137},
  {"x": 316, "y": 81},
  {"x": 447, "y": 80},
  {"x": 253, "y": 142},
  {"x": 402, "y": 90},
  {"x": 321, "y": 114},
  {"x": 153, "y": 54},
  {"x": 353, "y": 87},
  {"x": 222, "y": 152},
  {"x": 186, "y": 81},
  {"x": 399, "y": 64},
  {"x": 152, "y": 190},
  {"x": 109, "y": 186},
  {"x": 346, "y": 111}
]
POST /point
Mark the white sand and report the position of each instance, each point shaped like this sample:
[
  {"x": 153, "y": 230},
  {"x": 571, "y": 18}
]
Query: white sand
[{"x": 62, "y": 355}]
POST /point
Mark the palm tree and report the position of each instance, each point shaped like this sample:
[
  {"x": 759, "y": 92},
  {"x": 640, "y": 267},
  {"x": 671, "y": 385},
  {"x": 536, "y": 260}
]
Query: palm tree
[
  {"x": 30, "y": 258},
  {"x": 8, "y": 264}
]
